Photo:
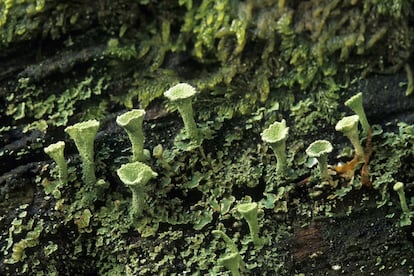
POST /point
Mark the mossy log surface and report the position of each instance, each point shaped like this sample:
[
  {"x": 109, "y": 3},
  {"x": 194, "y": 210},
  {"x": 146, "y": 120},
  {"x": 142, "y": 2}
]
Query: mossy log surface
[{"x": 252, "y": 63}]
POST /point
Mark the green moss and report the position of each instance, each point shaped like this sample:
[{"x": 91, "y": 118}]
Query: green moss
[
  {"x": 320, "y": 106},
  {"x": 146, "y": 87}
]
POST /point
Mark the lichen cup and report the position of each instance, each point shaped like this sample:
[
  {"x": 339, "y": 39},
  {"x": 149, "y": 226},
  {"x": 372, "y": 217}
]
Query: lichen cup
[
  {"x": 320, "y": 150},
  {"x": 275, "y": 135},
  {"x": 356, "y": 105},
  {"x": 56, "y": 152},
  {"x": 132, "y": 121},
  {"x": 84, "y": 136},
  {"x": 349, "y": 127},
  {"x": 135, "y": 176},
  {"x": 182, "y": 95}
]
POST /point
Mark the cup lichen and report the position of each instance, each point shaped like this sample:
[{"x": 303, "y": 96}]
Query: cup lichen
[
  {"x": 276, "y": 135},
  {"x": 84, "y": 136},
  {"x": 320, "y": 150},
  {"x": 231, "y": 245},
  {"x": 132, "y": 121},
  {"x": 182, "y": 95},
  {"x": 356, "y": 105},
  {"x": 56, "y": 152},
  {"x": 406, "y": 215},
  {"x": 135, "y": 176},
  {"x": 233, "y": 261},
  {"x": 349, "y": 127},
  {"x": 249, "y": 212}
]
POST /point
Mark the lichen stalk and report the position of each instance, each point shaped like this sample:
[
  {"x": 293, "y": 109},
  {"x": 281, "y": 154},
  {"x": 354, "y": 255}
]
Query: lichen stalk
[
  {"x": 56, "y": 152},
  {"x": 249, "y": 212},
  {"x": 83, "y": 135},
  {"x": 135, "y": 176},
  {"x": 132, "y": 123},
  {"x": 319, "y": 150},
  {"x": 186, "y": 111},
  {"x": 349, "y": 127},
  {"x": 138, "y": 201},
  {"x": 232, "y": 262},
  {"x": 405, "y": 218},
  {"x": 399, "y": 188},
  {"x": 323, "y": 166},
  {"x": 182, "y": 94},
  {"x": 275, "y": 135},
  {"x": 280, "y": 153},
  {"x": 353, "y": 137},
  {"x": 231, "y": 245},
  {"x": 355, "y": 103}
]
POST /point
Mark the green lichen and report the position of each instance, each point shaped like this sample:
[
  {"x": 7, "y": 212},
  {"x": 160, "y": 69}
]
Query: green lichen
[
  {"x": 136, "y": 176},
  {"x": 83, "y": 135},
  {"x": 56, "y": 152},
  {"x": 182, "y": 95},
  {"x": 243, "y": 56},
  {"x": 132, "y": 123},
  {"x": 355, "y": 103},
  {"x": 232, "y": 260},
  {"x": 55, "y": 110},
  {"x": 410, "y": 79},
  {"x": 276, "y": 135},
  {"x": 407, "y": 214},
  {"x": 30, "y": 240},
  {"x": 349, "y": 127},
  {"x": 320, "y": 150},
  {"x": 393, "y": 153},
  {"x": 249, "y": 212}
]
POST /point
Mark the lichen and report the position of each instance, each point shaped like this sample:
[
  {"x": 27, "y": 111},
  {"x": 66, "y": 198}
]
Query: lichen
[{"x": 254, "y": 62}]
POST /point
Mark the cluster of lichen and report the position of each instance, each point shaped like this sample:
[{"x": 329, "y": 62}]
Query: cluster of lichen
[
  {"x": 392, "y": 159},
  {"x": 213, "y": 44},
  {"x": 209, "y": 31},
  {"x": 135, "y": 175},
  {"x": 203, "y": 177}
]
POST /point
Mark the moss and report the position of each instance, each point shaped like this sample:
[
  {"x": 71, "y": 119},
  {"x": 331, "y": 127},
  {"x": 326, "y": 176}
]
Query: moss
[{"x": 224, "y": 43}]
